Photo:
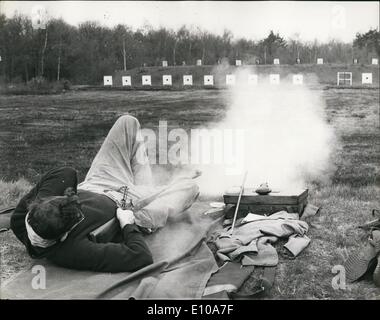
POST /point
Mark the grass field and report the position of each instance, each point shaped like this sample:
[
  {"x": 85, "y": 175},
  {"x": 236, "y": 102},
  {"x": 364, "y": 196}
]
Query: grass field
[{"x": 40, "y": 132}]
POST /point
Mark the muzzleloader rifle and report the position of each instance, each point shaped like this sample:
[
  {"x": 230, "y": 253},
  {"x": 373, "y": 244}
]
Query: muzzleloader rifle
[
  {"x": 109, "y": 230},
  {"x": 373, "y": 224}
]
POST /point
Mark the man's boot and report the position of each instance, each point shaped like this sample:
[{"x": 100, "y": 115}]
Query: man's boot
[{"x": 360, "y": 261}]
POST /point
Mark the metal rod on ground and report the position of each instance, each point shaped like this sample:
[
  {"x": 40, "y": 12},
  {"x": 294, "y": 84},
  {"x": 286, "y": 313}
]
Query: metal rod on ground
[{"x": 238, "y": 202}]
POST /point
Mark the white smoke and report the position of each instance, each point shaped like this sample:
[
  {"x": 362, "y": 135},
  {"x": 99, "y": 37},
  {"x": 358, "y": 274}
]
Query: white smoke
[{"x": 288, "y": 141}]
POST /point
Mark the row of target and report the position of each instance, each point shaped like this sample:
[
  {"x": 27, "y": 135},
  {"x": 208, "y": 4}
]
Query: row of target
[{"x": 208, "y": 80}]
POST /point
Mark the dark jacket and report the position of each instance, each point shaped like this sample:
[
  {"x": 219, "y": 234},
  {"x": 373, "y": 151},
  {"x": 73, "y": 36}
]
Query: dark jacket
[{"x": 77, "y": 251}]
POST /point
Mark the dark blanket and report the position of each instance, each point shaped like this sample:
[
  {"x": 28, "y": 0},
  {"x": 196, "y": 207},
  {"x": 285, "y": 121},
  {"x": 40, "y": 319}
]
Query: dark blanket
[{"x": 183, "y": 264}]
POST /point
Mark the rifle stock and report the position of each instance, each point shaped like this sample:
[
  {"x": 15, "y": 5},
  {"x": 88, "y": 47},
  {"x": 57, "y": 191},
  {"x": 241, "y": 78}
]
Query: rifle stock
[
  {"x": 374, "y": 223},
  {"x": 106, "y": 232}
]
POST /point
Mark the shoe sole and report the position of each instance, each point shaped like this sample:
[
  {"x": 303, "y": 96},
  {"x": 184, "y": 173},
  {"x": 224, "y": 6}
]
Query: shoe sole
[{"x": 358, "y": 263}]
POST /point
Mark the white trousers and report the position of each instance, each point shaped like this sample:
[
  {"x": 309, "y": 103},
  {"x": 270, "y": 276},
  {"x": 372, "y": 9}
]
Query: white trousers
[{"x": 122, "y": 161}]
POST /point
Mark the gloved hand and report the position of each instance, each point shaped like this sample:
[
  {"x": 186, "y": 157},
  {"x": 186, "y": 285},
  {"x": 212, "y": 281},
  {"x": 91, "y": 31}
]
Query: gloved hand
[{"x": 125, "y": 217}]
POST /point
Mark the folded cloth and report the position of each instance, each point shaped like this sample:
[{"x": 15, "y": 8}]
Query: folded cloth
[
  {"x": 285, "y": 228},
  {"x": 280, "y": 224},
  {"x": 296, "y": 244},
  {"x": 244, "y": 239},
  {"x": 266, "y": 256},
  {"x": 309, "y": 211},
  {"x": 250, "y": 248},
  {"x": 229, "y": 278},
  {"x": 278, "y": 215},
  {"x": 245, "y": 233},
  {"x": 361, "y": 260},
  {"x": 226, "y": 245}
]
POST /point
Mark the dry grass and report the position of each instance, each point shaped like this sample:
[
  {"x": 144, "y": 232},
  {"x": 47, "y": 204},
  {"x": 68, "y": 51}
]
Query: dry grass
[
  {"x": 334, "y": 235},
  {"x": 12, "y": 191},
  {"x": 13, "y": 256},
  {"x": 68, "y": 129}
]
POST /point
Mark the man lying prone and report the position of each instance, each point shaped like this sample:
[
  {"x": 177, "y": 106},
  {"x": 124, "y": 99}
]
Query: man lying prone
[{"x": 55, "y": 218}]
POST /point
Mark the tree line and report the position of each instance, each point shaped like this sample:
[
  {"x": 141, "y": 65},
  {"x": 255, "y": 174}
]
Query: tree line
[{"x": 83, "y": 54}]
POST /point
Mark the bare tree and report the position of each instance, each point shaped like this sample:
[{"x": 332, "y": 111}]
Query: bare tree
[
  {"x": 59, "y": 60},
  {"x": 175, "y": 50},
  {"x": 43, "y": 51},
  {"x": 124, "y": 56}
]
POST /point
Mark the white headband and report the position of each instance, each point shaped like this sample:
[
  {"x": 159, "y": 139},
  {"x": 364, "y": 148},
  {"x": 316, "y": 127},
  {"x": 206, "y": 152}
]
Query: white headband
[{"x": 35, "y": 239}]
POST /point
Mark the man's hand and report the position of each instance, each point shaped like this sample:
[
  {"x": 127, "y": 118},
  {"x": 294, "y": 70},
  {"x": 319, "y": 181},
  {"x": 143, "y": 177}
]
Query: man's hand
[{"x": 125, "y": 217}]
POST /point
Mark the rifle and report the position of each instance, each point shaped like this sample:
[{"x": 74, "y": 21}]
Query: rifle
[
  {"x": 109, "y": 230},
  {"x": 106, "y": 232},
  {"x": 374, "y": 223}
]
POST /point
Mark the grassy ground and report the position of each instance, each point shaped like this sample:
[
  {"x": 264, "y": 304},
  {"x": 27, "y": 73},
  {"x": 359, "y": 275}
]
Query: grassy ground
[{"x": 40, "y": 132}]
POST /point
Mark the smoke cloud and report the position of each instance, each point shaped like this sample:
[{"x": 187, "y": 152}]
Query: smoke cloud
[{"x": 287, "y": 140}]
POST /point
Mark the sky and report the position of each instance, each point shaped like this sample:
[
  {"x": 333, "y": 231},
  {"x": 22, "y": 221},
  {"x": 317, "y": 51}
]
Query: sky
[{"x": 252, "y": 20}]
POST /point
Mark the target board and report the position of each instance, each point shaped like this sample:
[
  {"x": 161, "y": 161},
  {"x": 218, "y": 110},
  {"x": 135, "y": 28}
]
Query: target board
[
  {"x": 230, "y": 79},
  {"x": 366, "y": 78},
  {"x": 187, "y": 80},
  {"x": 107, "y": 80},
  {"x": 146, "y": 80},
  {"x": 274, "y": 79},
  {"x": 208, "y": 80},
  {"x": 167, "y": 80},
  {"x": 297, "y": 79},
  {"x": 253, "y": 79},
  {"x": 126, "y": 80}
]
